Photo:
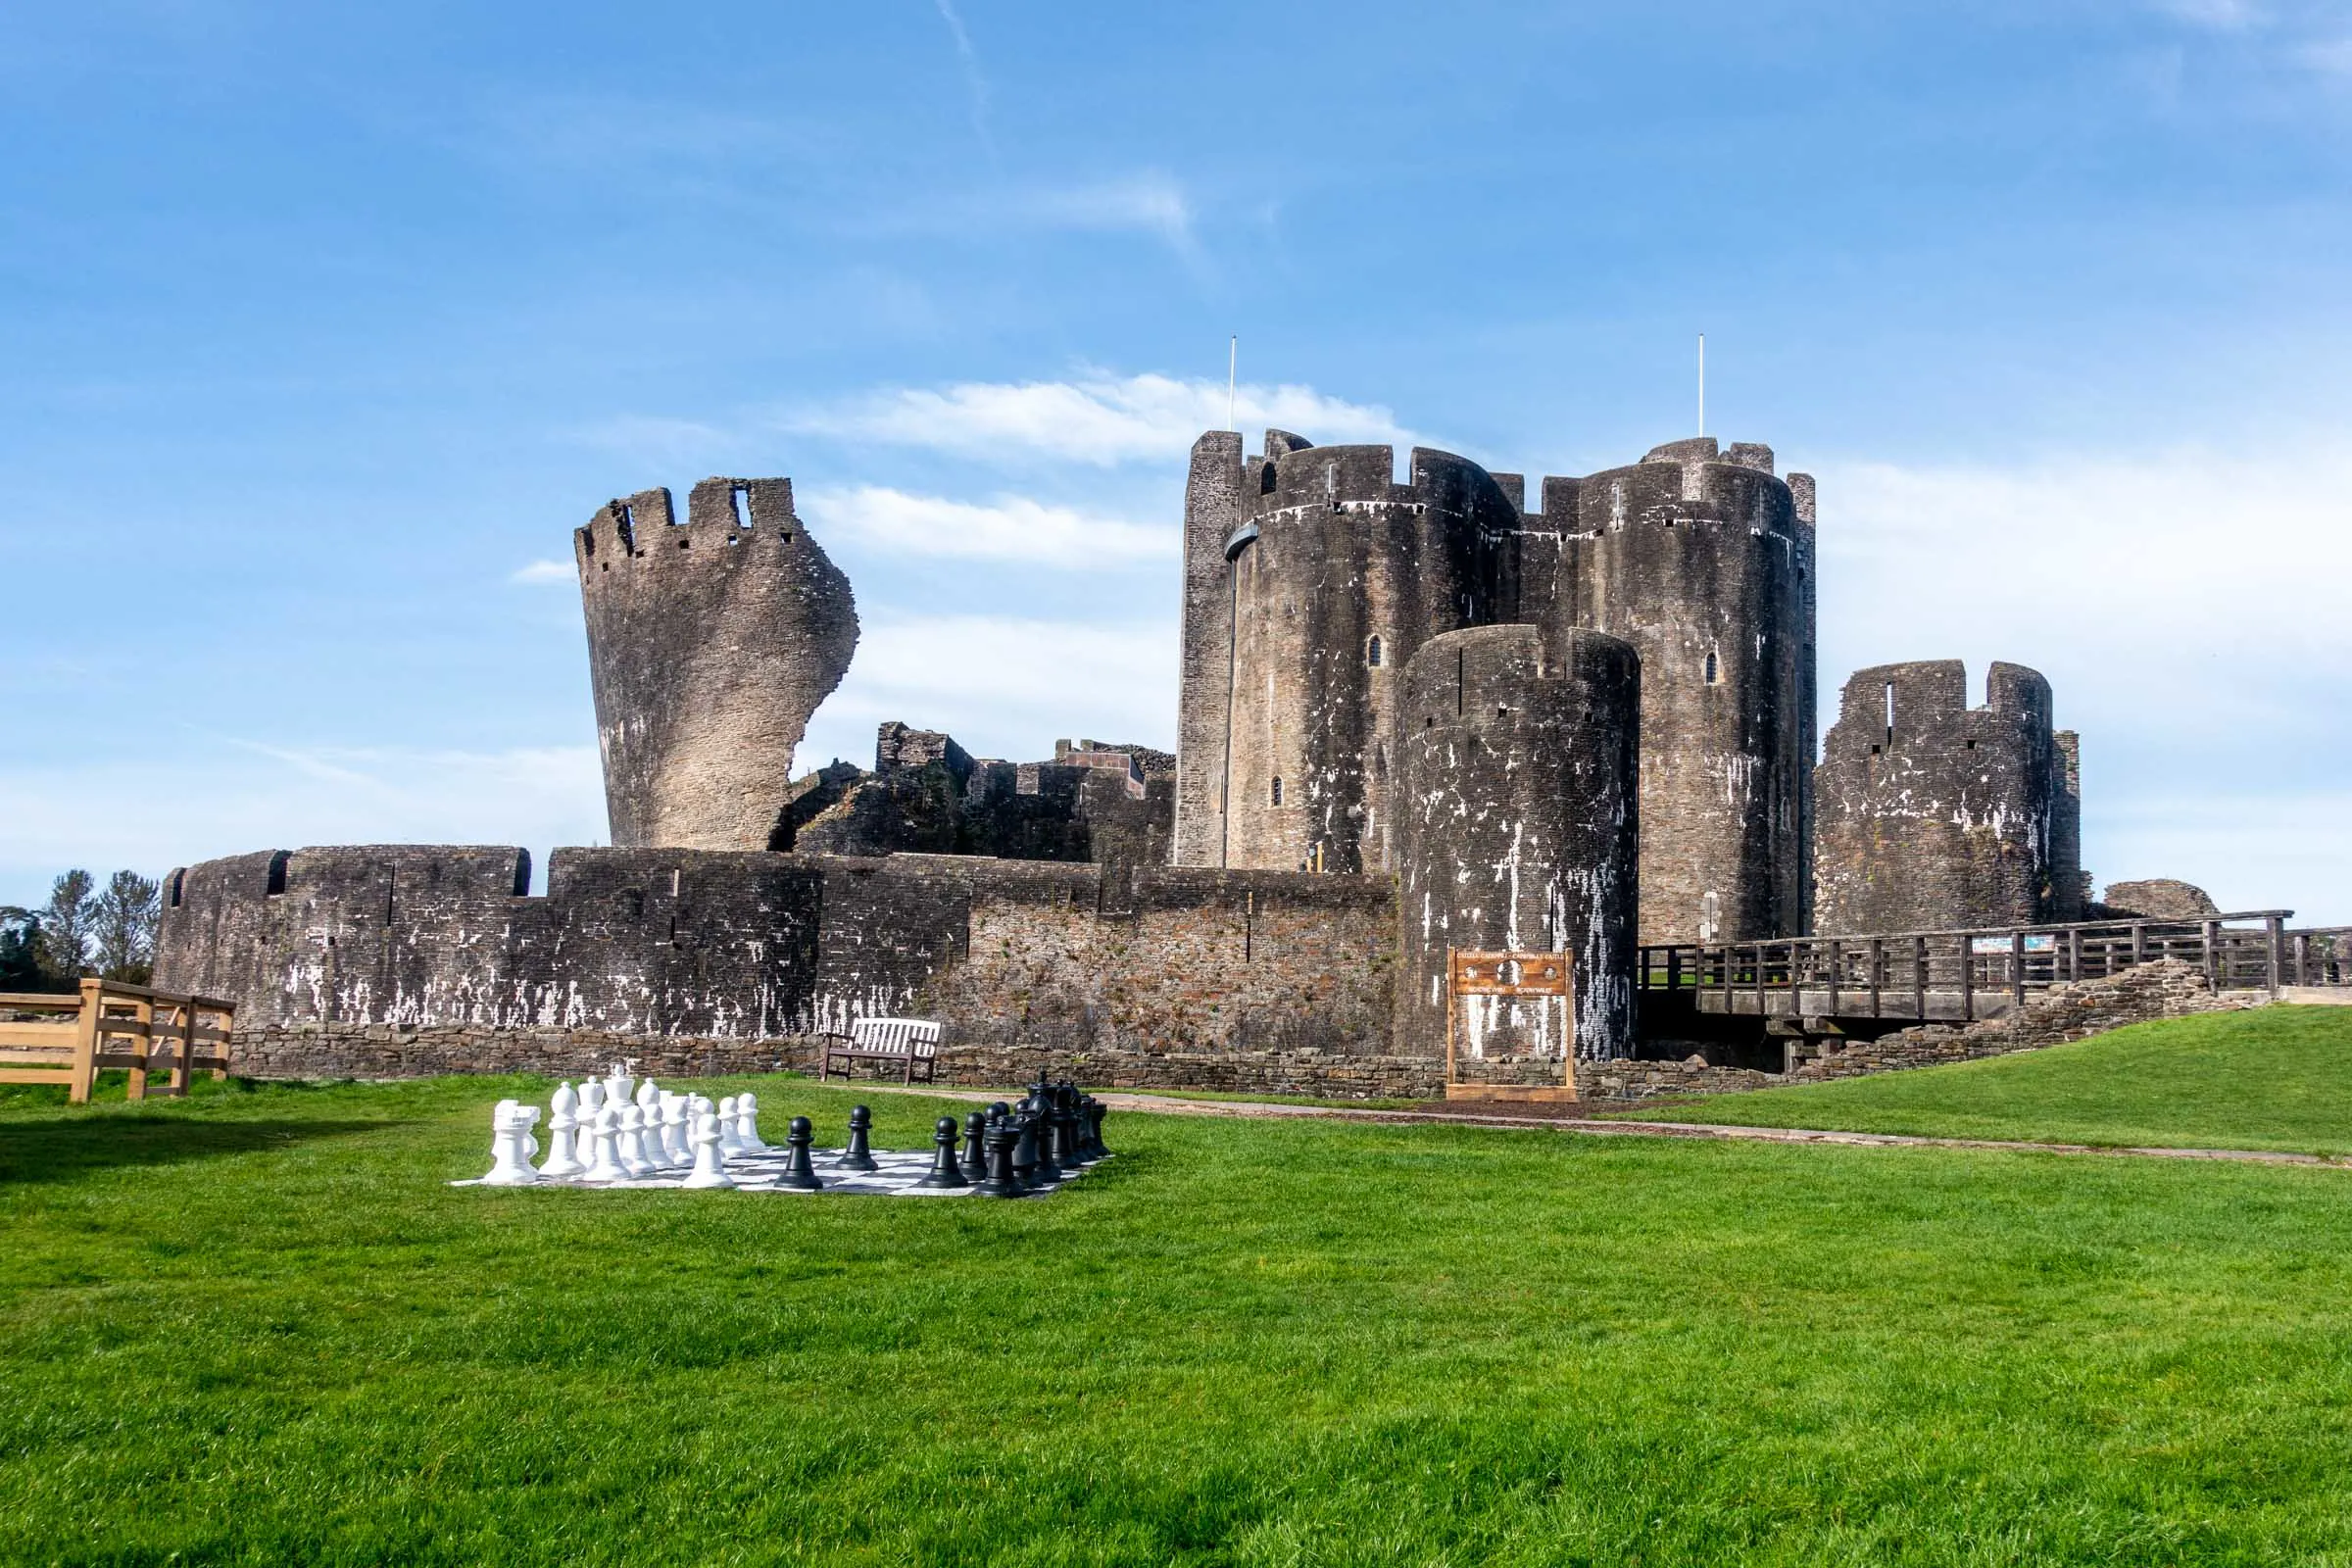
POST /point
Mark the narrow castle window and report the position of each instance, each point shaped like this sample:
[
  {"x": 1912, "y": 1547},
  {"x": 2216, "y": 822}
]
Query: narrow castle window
[
  {"x": 1278, "y": 789},
  {"x": 1891, "y": 713},
  {"x": 739, "y": 498},
  {"x": 1714, "y": 672},
  {"x": 1372, "y": 650}
]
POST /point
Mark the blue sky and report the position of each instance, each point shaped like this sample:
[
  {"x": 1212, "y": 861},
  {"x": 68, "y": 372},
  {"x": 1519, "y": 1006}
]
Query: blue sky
[{"x": 320, "y": 329}]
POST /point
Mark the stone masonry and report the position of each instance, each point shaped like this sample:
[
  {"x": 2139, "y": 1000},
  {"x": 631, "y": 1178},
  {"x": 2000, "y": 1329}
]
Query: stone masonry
[
  {"x": 1312, "y": 576},
  {"x": 710, "y": 643},
  {"x": 1936, "y": 815}
]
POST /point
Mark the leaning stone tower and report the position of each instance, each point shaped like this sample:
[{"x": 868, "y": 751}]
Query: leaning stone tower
[
  {"x": 1310, "y": 577},
  {"x": 710, "y": 643}
]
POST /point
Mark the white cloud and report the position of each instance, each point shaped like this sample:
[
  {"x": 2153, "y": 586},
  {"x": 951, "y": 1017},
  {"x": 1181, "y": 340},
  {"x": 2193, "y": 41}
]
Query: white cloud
[
  {"x": 2221, "y": 16},
  {"x": 2189, "y": 608},
  {"x": 1149, "y": 201},
  {"x": 224, "y": 796},
  {"x": 1008, "y": 529},
  {"x": 1099, "y": 420},
  {"x": 540, "y": 573},
  {"x": 1003, "y": 687}
]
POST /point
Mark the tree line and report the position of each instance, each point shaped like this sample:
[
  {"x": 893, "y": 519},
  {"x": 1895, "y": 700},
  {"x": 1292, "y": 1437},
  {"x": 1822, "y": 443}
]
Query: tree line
[{"x": 85, "y": 929}]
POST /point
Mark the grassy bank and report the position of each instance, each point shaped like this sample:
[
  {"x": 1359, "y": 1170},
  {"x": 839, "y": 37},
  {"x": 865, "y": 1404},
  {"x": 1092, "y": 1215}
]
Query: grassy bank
[
  {"x": 2271, "y": 1078},
  {"x": 257, "y": 1327}
]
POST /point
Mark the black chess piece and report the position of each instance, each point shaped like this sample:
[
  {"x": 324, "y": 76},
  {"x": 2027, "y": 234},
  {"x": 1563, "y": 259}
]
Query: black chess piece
[
  {"x": 945, "y": 1172},
  {"x": 1068, "y": 1152},
  {"x": 860, "y": 1156},
  {"x": 1049, "y": 1169},
  {"x": 975, "y": 1145},
  {"x": 798, "y": 1174},
  {"x": 1001, "y": 1181},
  {"x": 999, "y": 1110},
  {"x": 1095, "y": 1110},
  {"x": 1024, "y": 1147}
]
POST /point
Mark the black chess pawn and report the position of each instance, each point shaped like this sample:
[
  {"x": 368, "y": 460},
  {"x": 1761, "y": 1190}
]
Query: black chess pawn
[
  {"x": 1095, "y": 1110},
  {"x": 975, "y": 1145},
  {"x": 1001, "y": 1181},
  {"x": 798, "y": 1174},
  {"x": 999, "y": 1110},
  {"x": 1069, "y": 1151},
  {"x": 1049, "y": 1169},
  {"x": 945, "y": 1172},
  {"x": 860, "y": 1156},
  {"x": 1024, "y": 1147}
]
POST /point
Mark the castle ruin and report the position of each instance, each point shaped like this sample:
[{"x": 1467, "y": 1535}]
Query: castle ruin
[{"x": 1415, "y": 718}]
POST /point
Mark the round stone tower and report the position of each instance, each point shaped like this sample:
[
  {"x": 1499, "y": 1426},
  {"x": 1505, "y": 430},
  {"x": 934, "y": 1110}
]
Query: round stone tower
[
  {"x": 710, "y": 643},
  {"x": 1330, "y": 575},
  {"x": 1939, "y": 817},
  {"x": 1519, "y": 801},
  {"x": 1700, "y": 559}
]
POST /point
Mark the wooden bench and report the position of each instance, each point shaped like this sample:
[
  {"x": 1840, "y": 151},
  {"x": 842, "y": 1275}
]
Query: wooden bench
[
  {"x": 68, "y": 1038},
  {"x": 909, "y": 1043}
]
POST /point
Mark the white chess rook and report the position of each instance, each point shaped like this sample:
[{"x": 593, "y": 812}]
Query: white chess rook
[
  {"x": 562, "y": 1122},
  {"x": 510, "y": 1144},
  {"x": 709, "y": 1170}
]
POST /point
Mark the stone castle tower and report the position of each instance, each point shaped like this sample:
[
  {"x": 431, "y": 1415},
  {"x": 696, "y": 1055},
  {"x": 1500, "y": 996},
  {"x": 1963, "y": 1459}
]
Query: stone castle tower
[
  {"x": 1519, "y": 795},
  {"x": 710, "y": 643},
  {"x": 1936, "y": 815},
  {"x": 1312, "y": 577}
]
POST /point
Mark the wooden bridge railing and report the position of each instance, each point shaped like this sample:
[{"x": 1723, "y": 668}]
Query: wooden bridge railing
[
  {"x": 1964, "y": 975},
  {"x": 69, "y": 1038}
]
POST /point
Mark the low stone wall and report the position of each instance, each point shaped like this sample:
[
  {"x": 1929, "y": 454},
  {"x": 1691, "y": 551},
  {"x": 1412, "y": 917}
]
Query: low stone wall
[
  {"x": 2170, "y": 988},
  {"x": 381, "y": 1050}
]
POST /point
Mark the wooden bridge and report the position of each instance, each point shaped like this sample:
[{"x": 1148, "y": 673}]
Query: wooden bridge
[{"x": 1960, "y": 976}]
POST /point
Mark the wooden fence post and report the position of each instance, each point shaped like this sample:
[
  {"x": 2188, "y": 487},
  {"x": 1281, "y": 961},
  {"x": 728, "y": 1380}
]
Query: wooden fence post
[{"x": 86, "y": 1045}]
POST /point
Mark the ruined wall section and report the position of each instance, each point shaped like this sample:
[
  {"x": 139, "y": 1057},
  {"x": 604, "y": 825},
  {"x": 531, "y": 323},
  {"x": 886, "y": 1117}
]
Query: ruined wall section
[
  {"x": 1698, "y": 559},
  {"x": 704, "y": 945},
  {"x": 1346, "y": 575},
  {"x": 1936, "y": 815},
  {"x": 1520, "y": 790},
  {"x": 710, "y": 643}
]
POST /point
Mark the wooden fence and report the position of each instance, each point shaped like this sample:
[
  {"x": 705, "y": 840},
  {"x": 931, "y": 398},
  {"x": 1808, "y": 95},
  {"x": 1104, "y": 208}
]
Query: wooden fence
[
  {"x": 1959, "y": 976},
  {"x": 69, "y": 1039}
]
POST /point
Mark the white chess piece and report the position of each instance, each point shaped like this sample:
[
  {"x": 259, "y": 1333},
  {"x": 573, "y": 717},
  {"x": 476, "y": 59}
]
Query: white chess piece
[
  {"x": 632, "y": 1152},
  {"x": 677, "y": 1128},
  {"x": 746, "y": 1124},
  {"x": 730, "y": 1142},
  {"x": 709, "y": 1170},
  {"x": 563, "y": 1157},
  {"x": 510, "y": 1144},
  {"x": 617, "y": 1084},
  {"x": 605, "y": 1146}
]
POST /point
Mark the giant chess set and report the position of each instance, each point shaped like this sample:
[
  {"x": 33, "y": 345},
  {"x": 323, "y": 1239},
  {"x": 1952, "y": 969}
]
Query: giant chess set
[{"x": 618, "y": 1132}]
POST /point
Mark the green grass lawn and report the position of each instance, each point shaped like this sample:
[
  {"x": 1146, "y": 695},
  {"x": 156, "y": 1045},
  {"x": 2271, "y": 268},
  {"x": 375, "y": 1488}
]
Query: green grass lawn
[
  {"x": 2277, "y": 1077},
  {"x": 255, "y": 1327}
]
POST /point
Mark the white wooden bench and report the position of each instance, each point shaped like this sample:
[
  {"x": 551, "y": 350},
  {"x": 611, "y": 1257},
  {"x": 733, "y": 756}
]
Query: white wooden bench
[{"x": 909, "y": 1043}]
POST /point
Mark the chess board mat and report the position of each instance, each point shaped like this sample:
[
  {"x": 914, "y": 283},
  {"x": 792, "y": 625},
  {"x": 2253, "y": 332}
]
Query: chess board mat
[{"x": 896, "y": 1176}]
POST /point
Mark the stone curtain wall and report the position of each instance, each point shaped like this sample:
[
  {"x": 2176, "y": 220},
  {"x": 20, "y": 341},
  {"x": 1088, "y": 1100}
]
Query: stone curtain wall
[{"x": 753, "y": 947}]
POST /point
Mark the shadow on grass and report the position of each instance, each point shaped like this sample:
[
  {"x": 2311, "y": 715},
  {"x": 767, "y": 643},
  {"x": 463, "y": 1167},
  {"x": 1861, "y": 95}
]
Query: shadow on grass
[{"x": 64, "y": 1151}]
